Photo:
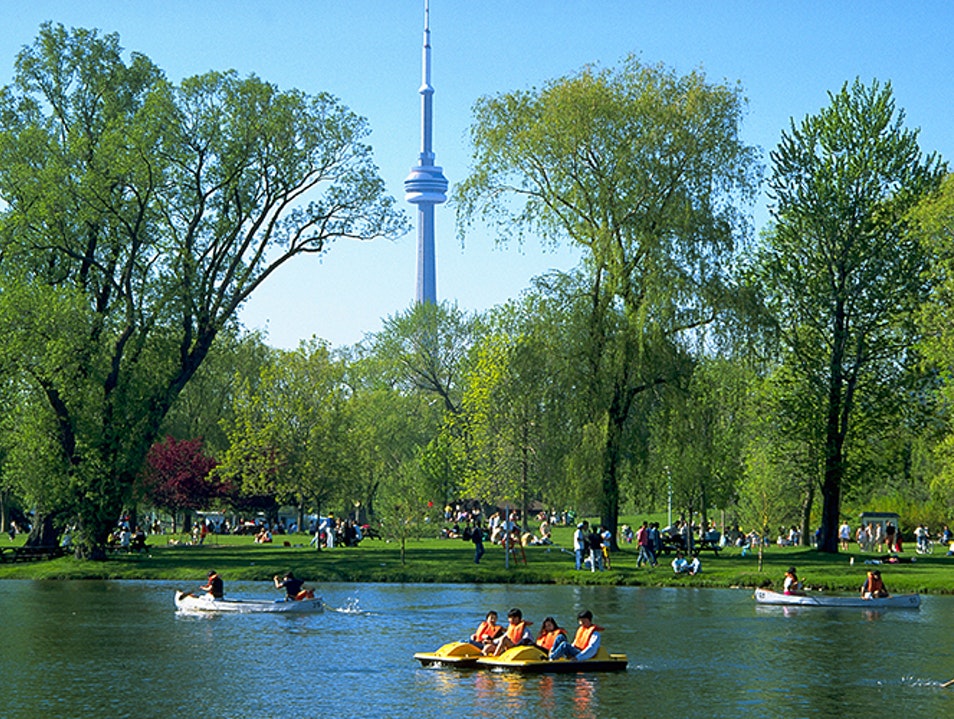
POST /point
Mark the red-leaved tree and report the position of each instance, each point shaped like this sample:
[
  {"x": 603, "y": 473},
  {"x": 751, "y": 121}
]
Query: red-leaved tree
[{"x": 176, "y": 476}]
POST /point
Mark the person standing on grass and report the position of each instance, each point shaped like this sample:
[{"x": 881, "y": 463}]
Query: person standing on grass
[
  {"x": 477, "y": 537},
  {"x": 579, "y": 543},
  {"x": 642, "y": 541}
]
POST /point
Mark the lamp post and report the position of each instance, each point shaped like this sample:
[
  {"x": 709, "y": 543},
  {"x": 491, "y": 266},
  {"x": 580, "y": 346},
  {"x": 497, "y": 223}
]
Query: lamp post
[{"x": 669, "y": 485}]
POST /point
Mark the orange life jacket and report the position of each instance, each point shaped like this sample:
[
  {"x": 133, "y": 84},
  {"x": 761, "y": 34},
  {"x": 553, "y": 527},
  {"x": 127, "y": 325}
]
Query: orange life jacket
[
  {"x": 487, "y": 631},
  {"x": 546, "y": 639},
  {"x": 583, "y": 635},
  {"x": 515, "y": 631}
]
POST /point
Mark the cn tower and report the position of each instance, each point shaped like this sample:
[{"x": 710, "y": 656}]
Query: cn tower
[{"x": 426, "y": 186}]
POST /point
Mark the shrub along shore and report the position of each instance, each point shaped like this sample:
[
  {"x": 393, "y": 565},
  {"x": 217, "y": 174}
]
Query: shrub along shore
[{"x": 452, "y": 561}]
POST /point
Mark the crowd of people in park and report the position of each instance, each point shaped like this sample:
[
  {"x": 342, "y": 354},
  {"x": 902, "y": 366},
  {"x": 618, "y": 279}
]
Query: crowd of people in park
[{"x": 494, "y": 639}]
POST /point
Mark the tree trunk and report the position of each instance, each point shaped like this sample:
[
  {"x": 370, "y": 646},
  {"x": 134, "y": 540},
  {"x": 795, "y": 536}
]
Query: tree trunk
[
  {"x": 43, "y": 533},
  {"x": 834, "y": 465},
  {"x": 806, "y": 538},
  {"x": 609, "y": 510}
]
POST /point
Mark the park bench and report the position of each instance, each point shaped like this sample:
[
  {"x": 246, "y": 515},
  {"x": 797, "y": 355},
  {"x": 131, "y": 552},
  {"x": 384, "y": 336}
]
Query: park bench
[{"x": 30, "y": 554}]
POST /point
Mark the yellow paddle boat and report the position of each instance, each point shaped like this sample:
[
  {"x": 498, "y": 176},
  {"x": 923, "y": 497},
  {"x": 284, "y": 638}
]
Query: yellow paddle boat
[
  {"x": 457, "y": 654},
  {"x": 524, "y": 659}
]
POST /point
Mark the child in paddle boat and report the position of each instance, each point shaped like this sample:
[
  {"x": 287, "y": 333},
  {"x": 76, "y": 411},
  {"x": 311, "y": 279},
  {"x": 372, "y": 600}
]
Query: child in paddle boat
[
  {"x": 518, "y": 633},
  {"x": 791, "y": 584},
  {"x": 487, "y": 631},
  {"x": 214, "y": 587},
  {"x": 874, "y": 587},
  {"x": 549, "y": 631}
]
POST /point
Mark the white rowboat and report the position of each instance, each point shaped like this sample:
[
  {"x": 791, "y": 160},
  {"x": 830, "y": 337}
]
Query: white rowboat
[
  {"x": 203, "y": 603},
  {"x": 901, "y": 601}
]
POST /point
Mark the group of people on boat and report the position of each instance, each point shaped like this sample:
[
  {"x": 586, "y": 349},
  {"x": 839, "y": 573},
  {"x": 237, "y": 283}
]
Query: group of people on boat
[
  {"x": 494, "y": 639},
  {"x": 872, "y": 588},
  {"x": 295, "y": 589}
]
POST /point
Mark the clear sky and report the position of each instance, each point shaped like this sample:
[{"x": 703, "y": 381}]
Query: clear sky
[{"x": 787, "y": 54}]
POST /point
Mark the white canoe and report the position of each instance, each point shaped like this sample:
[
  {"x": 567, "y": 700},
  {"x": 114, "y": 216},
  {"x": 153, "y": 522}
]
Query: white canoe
[
  {"x": 900, "y": 601},
  {"x": 203, "y": 603}
]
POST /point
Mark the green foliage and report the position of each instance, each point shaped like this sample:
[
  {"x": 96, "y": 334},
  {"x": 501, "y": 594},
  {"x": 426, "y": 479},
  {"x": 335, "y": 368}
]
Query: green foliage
[
  {"x": 642, "y": 170},
  {"x": 841, "y": 272},
  {"x": 290, "y": 438},
  {"x": 148, "y": 213}
]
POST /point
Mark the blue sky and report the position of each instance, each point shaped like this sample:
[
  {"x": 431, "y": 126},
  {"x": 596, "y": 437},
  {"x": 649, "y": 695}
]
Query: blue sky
[{"x": 786, "y": 54}]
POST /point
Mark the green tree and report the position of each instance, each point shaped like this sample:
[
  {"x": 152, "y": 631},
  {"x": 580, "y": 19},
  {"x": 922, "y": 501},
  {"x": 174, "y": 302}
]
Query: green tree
[
  {"x": 204, "y": 407},
  {"x": 296, "y": 422},
  {"x": 933, "y": 227},
  {"x": 641, "y": 169},
  {"x": 841, "y": 272},
  {"x": 423, "y": 349},
  {"x": 698, "y": 435},
  {"x": 151, "y": 212}
]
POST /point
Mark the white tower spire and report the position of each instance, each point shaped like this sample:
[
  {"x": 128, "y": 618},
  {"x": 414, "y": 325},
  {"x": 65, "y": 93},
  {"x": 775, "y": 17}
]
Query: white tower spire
[{"x": 426, "y": 186}]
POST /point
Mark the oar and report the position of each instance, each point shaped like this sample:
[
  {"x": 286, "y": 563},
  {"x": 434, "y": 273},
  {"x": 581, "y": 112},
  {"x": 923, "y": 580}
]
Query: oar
[{"x": 947, "y": 684}]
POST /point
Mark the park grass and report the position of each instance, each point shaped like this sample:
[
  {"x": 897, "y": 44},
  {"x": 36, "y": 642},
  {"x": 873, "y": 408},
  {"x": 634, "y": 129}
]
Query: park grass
[{"x": 451, "y": 561}]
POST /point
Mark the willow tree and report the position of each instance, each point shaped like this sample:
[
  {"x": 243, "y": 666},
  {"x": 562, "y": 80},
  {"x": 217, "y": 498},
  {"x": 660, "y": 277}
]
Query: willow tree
[
  {"x": 642, "y": 170},
  {"x": 934, "y": 227},
  {"x": 150, "y": 212},
  {"x": 842, "y": 272}
]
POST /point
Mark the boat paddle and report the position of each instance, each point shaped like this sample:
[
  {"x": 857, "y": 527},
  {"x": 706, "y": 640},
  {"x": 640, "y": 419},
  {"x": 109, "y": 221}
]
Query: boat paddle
[{"x": 947, "y": 684}]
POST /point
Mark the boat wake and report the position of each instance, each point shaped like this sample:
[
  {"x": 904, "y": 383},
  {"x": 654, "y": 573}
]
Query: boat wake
[{"x": 351, "y": 606}]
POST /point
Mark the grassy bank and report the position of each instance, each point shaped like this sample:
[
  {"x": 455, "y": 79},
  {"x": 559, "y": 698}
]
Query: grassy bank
[{"x": 434, "y": 560}]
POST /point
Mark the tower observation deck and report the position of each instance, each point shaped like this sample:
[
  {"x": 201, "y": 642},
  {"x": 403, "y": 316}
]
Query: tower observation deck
[{"x": 426, "y": 186}]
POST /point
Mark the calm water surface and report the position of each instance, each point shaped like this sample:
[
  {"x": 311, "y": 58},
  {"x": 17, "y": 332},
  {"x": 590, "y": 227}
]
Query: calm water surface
[{"x": 112, "y": 650}]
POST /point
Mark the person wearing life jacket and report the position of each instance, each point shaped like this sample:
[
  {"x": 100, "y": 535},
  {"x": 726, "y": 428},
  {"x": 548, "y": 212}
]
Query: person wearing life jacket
[
  {"x": 487, "y": 631},
  {"x": 791, "y": 585},
  {"x": 586, "y": 643},
  {"x": 214, "y": 587},
  {"x": 518, "y": 632},
  {"x": 294, "y": 588},
  {"x": 549, "y": 631},
  {"x": 874, "y": 587}
]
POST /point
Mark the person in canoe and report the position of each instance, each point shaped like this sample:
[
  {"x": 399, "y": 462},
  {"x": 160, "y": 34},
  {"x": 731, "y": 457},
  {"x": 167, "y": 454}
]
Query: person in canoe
[
  {"x": 792, "y": 585},
  {"x": 585, "y": 644},
  {"x": 549, "y": 631},
  {"x": 488, "y": 631},
  {"x": 294, "y": 587},
  {"x": 874, "y": 587},
  {"x": 518, "y": 632},
  {"x": 214, "y": 586}
]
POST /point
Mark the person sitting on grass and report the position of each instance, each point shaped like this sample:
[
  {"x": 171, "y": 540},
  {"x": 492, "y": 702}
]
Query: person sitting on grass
[{"x": 681, "y": 565}]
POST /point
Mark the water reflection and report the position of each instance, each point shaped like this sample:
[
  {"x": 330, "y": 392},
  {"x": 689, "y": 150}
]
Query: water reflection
[{"x": 110, "y": 649}]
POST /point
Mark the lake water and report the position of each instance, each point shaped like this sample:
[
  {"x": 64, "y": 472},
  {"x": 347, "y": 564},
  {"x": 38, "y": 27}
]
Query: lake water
[{"x": 112, "y": 650}]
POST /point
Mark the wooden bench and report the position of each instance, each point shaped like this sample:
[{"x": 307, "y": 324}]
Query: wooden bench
[{"x": 30, "y": 554}]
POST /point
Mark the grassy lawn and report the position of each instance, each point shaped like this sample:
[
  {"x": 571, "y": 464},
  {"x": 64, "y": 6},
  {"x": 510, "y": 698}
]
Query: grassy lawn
[{"x": 436, "y": 560}]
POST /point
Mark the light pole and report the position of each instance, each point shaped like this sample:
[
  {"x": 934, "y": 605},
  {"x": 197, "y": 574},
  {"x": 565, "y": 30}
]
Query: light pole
[{"x": 669, "y": 485}]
